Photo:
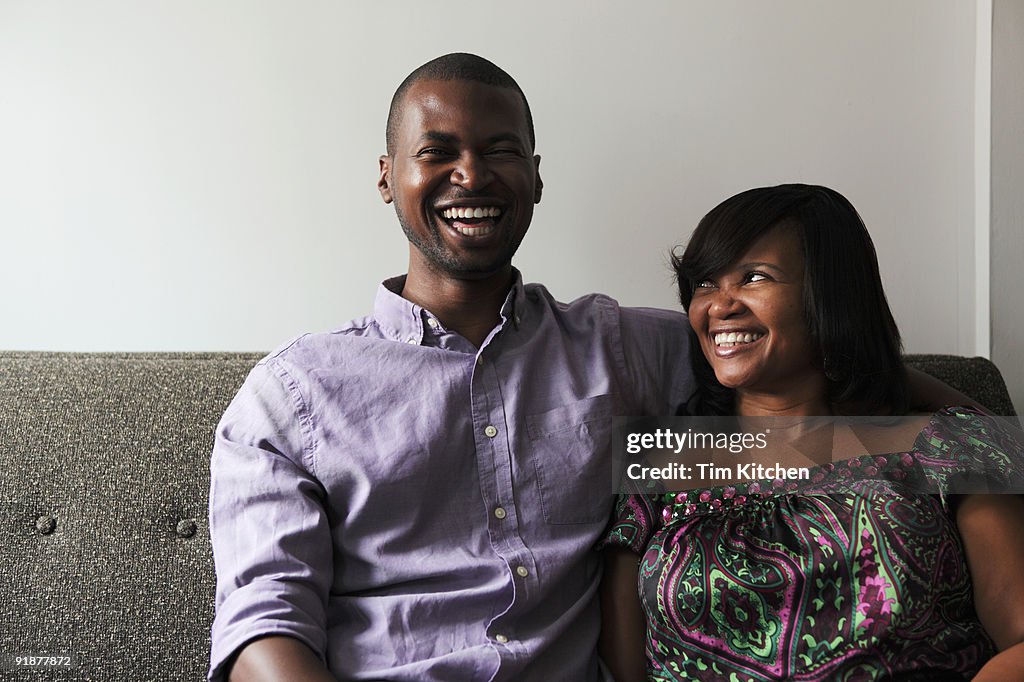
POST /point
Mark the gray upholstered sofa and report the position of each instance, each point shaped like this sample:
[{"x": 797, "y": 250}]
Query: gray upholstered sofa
[{"x": 105, "y": 555}]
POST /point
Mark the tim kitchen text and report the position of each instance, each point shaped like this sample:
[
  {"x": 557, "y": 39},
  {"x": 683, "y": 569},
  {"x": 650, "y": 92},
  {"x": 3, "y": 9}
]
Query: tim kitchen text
[{"x": 707, "y": 471}]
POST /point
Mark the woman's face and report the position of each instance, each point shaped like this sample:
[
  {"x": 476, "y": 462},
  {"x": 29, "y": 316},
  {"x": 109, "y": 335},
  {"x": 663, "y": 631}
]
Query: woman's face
[{"x": 750, "y": 322}]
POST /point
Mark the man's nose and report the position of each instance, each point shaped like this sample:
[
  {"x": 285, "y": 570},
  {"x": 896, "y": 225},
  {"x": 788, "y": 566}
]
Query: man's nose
[{"x": 471, "y": 172}]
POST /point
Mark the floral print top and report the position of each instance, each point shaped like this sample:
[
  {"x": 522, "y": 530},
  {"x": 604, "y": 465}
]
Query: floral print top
[{"x": 847, "y": 576}]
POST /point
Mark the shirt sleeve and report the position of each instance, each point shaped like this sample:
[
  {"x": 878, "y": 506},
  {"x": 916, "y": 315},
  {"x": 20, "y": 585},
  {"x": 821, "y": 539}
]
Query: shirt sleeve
[
  {"x": 636, "y": 519},
  {"x": 656, "y": 350},
  {"x": 966, "y": 451},
  {"x": 271, "y": 538}
]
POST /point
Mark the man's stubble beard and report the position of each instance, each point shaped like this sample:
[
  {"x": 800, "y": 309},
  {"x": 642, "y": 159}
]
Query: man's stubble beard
[{"x": 443, "y": 260}]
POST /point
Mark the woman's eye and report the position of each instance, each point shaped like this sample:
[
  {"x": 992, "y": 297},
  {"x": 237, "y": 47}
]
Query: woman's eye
[
  {"x": 704, "y": 284},
  {"x": 756, "y": 277}
]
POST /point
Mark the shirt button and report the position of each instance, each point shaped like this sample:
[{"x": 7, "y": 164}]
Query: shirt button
[
  {"x": 521, "y": 571},
  {"x": 501, "y": 639},
  {"x": 432, "y": 322},
  {"x": 411, "y": 341},
  {"x": 480, "y": 360},
  {"x": 499, "y": 513},
  {"x": 490, "y": 431}
]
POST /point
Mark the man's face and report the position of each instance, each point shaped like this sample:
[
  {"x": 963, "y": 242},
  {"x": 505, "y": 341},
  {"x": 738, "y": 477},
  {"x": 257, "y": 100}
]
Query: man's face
[{"x": 462, "y": 176}]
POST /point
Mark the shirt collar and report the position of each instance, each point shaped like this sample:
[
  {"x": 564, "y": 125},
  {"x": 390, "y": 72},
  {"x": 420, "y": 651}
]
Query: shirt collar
[{"x": 404, "y": 321}]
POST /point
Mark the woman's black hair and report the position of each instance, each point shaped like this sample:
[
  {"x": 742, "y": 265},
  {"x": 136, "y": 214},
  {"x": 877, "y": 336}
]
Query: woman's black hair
[{"x": 845, "y": 307}]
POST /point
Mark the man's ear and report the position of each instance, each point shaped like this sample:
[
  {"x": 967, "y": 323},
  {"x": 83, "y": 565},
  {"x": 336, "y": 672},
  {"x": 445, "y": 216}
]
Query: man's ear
[
  {"x": 540, "y": 183},
  {"x": 384, "y": 181}
]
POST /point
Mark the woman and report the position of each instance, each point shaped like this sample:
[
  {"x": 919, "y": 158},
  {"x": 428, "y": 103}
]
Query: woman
[{"x": 843, "y": 577}]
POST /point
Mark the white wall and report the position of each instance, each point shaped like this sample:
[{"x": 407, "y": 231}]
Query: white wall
[
  {"x": 200, "y": 175},
  {"x": 1008, "y": 194}
]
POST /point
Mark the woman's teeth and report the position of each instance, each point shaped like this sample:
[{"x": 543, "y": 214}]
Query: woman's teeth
[
  {"x": 468, "y": 212},
  {"x": 729, "y": 339}
]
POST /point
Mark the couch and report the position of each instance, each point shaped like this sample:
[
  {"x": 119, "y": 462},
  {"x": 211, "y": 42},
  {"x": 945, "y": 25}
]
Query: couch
[{"x": 106, "y": 554}]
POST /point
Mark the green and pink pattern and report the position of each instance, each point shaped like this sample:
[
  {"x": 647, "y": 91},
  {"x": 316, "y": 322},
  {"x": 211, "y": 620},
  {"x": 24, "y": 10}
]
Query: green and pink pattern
[{"x": 848, "y": 577}]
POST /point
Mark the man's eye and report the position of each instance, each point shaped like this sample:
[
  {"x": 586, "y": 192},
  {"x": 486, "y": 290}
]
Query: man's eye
[
  {"x": 503, "y": 151},
  {"x": 433, "y": 151}
]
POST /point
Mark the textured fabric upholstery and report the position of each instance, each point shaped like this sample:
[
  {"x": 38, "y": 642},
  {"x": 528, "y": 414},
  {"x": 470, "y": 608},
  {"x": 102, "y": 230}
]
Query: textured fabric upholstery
[
  {"x": 105, "y": 554},
  {"x": 976, "y": 377},
  {"x": 105, "y": 476}
]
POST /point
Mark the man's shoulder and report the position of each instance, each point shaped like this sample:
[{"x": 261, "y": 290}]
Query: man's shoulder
[
  {"x": 311, "y": 348},
  {"x": 636, "y": 322},
  {"x": 651, "y": 346},
  {"x": 672, "y": 319},
  {"x": 593, "y": 302}
]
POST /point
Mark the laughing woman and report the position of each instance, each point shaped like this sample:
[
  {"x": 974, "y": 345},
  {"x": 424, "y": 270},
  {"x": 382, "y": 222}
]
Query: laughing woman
[{"x": 842, "y": 577}]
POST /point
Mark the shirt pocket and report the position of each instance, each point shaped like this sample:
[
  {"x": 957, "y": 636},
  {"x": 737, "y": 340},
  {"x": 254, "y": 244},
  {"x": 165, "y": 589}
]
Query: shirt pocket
[{"x": 572, "y": 457}]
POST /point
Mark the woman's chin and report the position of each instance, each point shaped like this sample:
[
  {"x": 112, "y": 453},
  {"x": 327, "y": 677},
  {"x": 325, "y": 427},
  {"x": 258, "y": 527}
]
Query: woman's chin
[{"x": 731, "y": 381}]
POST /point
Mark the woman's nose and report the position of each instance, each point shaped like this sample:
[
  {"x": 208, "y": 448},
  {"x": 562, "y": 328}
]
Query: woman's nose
[{"x": 725, "y": 304}]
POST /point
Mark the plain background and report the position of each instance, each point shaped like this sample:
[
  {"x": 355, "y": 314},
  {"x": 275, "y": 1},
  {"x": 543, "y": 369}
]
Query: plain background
[{"x": 201, "y": 175}]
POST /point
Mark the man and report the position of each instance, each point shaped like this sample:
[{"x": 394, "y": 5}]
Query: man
[{"x": 417, "y": 495}]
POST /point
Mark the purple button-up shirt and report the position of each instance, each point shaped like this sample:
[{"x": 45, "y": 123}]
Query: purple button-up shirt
[{"x": 414, "y": 508}]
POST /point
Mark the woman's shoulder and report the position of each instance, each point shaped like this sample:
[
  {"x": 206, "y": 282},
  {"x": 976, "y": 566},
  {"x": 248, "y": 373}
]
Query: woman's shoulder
[
  {"x": 636, "y": 518},
  {"x": 969, "y": 447},
  {"x": 970, "y": 427}
]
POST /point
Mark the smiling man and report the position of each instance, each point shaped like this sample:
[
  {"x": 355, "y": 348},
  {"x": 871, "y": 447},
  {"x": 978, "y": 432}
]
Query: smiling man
[
  {"x": 417, "y": 495},
  {"x": 463, "y": 217},
  {"x": 463, "y": 178}
]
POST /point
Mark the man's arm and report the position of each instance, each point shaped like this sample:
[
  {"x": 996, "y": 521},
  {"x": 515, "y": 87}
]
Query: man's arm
[
  {"x": 928, "y": 394},
  {"x": 278, "y": 659},
  {"x": 656, "y": 350},
  {"x": 271, "y": 539}
]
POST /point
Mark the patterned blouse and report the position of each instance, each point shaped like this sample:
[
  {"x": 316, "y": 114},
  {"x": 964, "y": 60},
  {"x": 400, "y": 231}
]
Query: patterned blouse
[{"x": 848, "y": 577}]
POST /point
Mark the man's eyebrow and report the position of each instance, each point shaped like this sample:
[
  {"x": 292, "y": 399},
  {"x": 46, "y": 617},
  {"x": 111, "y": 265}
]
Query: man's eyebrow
[
  {"x": 438, "y": 137},
  {"x": 504, "y": 137}
]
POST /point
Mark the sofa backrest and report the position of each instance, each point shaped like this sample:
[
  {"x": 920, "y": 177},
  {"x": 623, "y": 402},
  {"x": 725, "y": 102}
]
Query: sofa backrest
[
  {"x": 105, "y": 556},
  {"x": 975, "y": 377},
  {"x": 105, "y": 477}
]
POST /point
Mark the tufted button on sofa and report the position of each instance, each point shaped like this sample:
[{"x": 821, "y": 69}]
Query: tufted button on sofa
[{"x": 105, "y": 560}]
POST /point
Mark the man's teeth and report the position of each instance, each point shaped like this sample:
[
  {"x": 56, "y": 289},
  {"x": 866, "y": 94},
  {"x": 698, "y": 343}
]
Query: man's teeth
[
  {"x": 469, "y": 212},
  {"x": 728, "y": 339},
  {"x": 473, "y": 231}
]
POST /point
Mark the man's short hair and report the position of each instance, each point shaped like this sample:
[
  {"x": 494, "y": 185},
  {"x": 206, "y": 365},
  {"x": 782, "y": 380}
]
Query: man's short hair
[{"x": 457, "y": 66}]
